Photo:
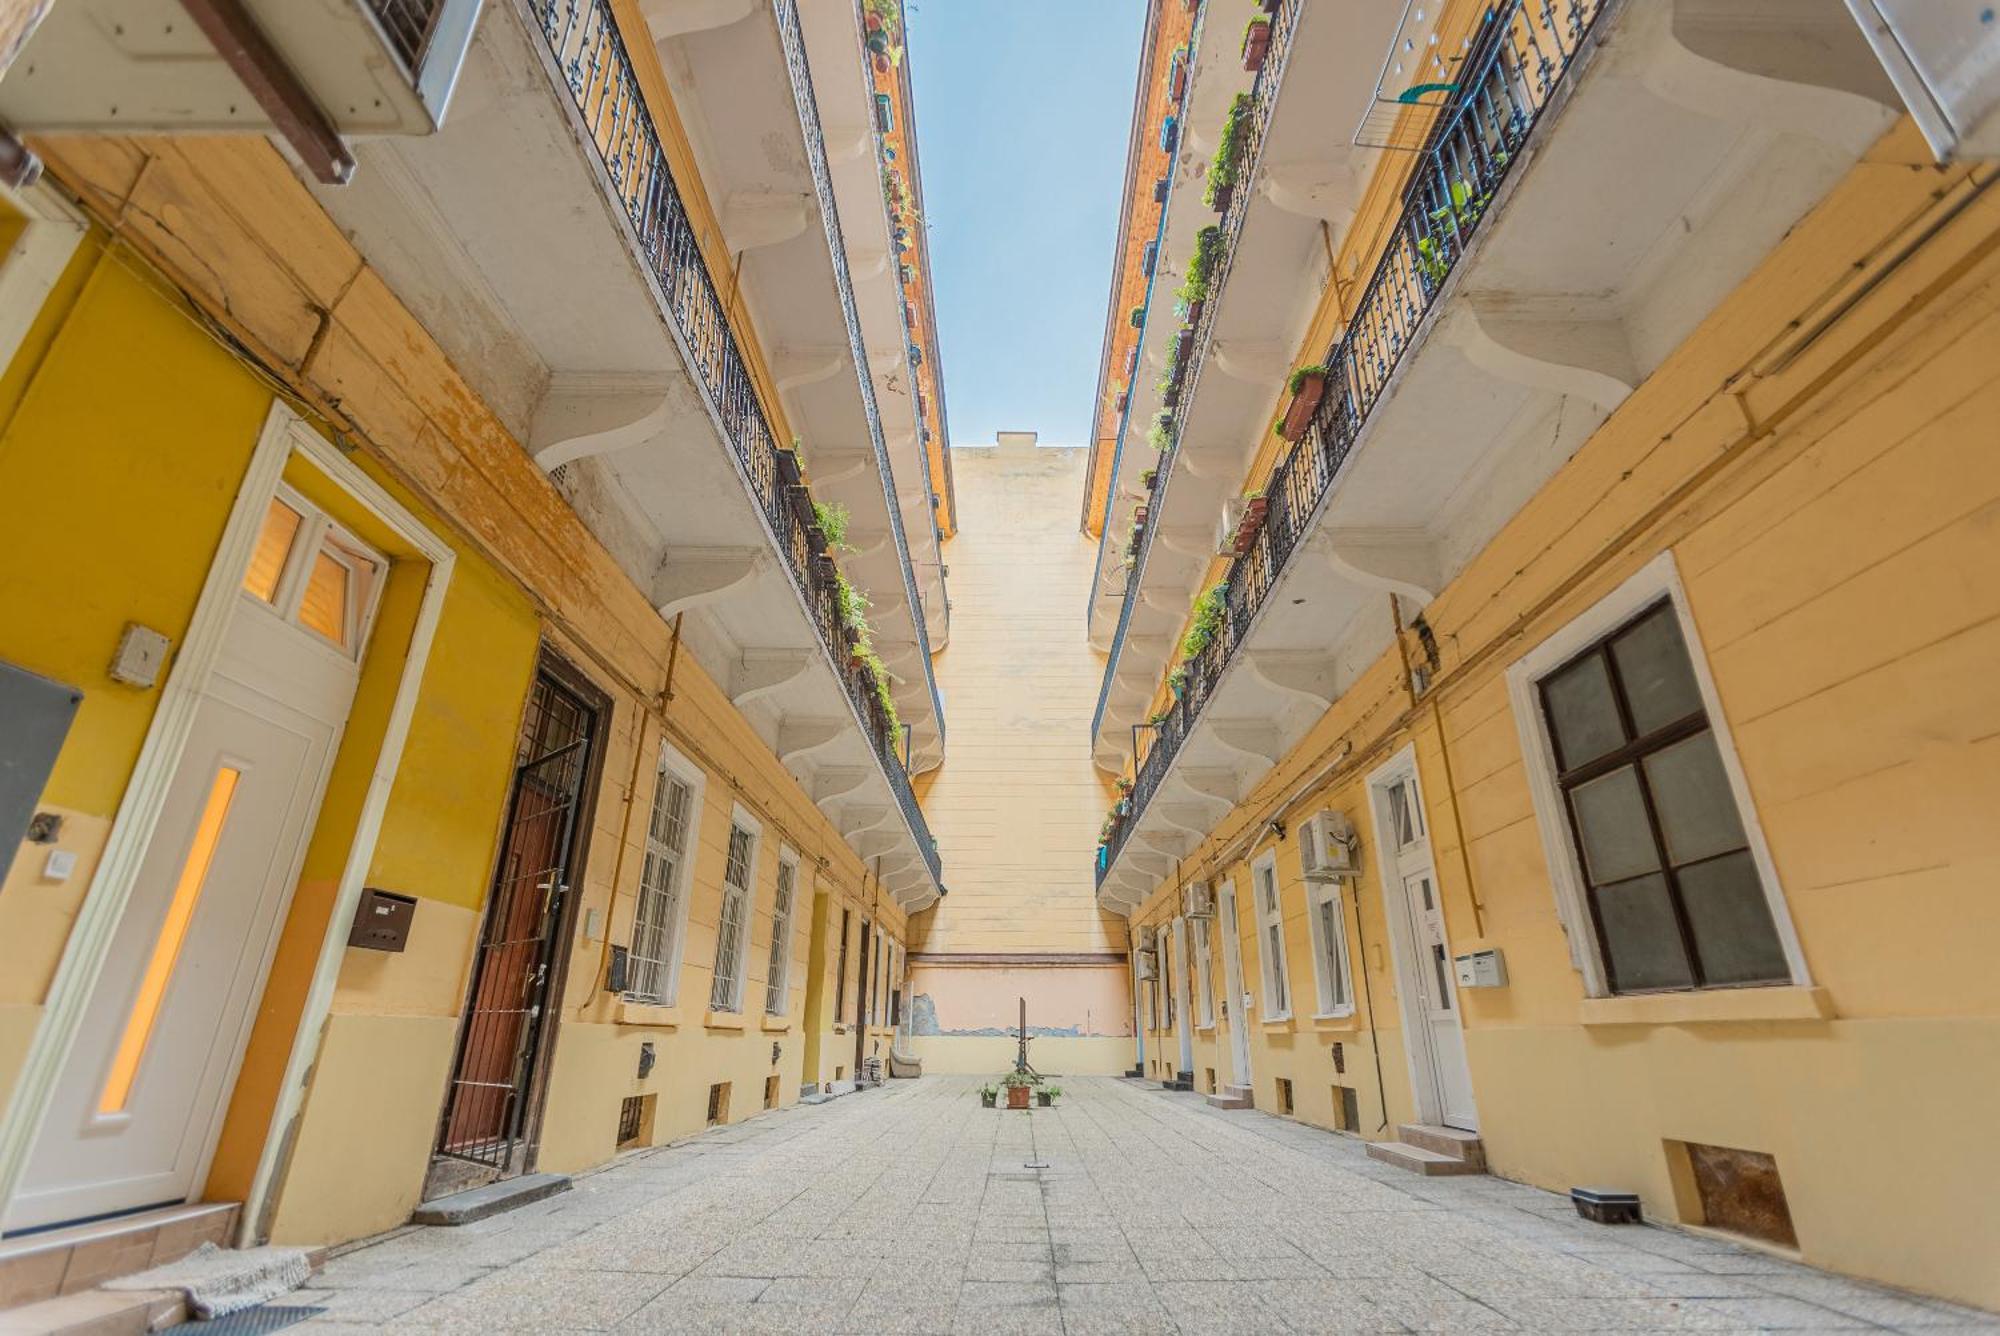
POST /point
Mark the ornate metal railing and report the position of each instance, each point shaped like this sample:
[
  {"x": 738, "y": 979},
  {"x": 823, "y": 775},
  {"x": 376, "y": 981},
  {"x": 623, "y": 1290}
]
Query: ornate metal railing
[
  {"x": 815, "y": 140},
  {"x": 1250, "y": 152},
  {"x": 586, "y": 53},
  {"x": 1510, "y": 76}
]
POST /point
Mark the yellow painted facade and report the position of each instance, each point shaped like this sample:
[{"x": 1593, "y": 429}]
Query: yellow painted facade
[
  {"x": 1829, "y": 514},
  {"x": 1018, "y": 802}
]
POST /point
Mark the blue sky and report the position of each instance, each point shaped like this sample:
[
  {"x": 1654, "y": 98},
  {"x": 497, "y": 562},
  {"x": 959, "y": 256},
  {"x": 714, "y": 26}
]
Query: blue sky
[{"x": 1023, "y": 108}]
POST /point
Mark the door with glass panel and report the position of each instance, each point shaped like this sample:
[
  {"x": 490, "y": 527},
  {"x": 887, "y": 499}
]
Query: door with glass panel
[
  {"x": 139, "y": 1102},
  {"x": 1424, "y": 971},
  {"x": 1234, "y": 999}
]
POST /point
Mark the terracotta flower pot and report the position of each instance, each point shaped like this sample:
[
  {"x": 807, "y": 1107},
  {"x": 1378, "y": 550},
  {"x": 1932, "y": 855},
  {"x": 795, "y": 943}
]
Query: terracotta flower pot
[
  {"x": 1304, "y": 404},
  {"x": 1256, "y": 44},
  {"x": 1017, "y": 1097},
  {"x": 1222, "y": 198}
]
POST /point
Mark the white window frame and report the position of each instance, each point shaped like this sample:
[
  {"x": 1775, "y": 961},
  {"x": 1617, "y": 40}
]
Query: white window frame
[
  {"x": 51, "y": 230},
  {"x": 1330, "y": 958},
  {"x": 1276, "y": 972},
  {"x": 1657, "y": 579},
  {"x": 367, "y": 574},
  {"x": 675, "y": 763},
  {"x": 778, "y": 978},
  {"x": 739, "y": 819},
  {"x": 1204, "y": 969}
]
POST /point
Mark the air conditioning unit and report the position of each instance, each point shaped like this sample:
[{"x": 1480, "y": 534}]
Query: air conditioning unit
[
  {"x": 1944, "y": 58},
  {"x": 1197, "y": 901},
  {"x": 1147, "y": 962},
  {"x": 1328, "y": 847}
]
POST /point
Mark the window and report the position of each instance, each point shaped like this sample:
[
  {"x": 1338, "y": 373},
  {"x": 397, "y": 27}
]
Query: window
[
  {"x": 777, "y": 979},
  {"x": 1271, "y": 938},
  {"x": 1668, "y": 878},
  {"x": 313, "y": 573},
  {"x": 1204, "y": 972},
  {"x": 662, "y": 912},
  {"x": 726, "y": 993},
  {"x": 840, "y": 975},
  {"x": 1327, "y": 920}
]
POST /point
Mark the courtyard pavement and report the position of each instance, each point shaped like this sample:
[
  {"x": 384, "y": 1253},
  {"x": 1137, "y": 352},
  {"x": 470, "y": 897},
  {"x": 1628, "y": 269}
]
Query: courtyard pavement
[{"x": 912, "y": 1209}]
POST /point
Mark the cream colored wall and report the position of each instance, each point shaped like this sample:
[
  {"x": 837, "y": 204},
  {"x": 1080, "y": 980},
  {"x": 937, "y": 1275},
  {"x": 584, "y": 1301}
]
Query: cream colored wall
[
  {"x": 1016, "y": 806},
  {"x": 1833, "y": 507},
  {"x": 1055, "y": 1055}
]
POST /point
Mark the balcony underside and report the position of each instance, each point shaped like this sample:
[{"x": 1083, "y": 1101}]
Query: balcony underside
[
  {"x": 726, "y": 64},
  {"x": 1593, "y": 264},
  {"x": 502, "y": 234}
]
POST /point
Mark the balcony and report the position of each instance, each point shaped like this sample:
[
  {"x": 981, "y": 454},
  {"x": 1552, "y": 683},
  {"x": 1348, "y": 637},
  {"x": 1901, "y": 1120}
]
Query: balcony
[
  {"x": 566, "y": 251},
  {"x": 1539, "y": 270}
]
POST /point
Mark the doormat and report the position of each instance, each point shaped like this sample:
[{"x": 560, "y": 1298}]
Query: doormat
[
  {"x": 253, "y": 1321},
  {"x": 220, "y": 1281}
]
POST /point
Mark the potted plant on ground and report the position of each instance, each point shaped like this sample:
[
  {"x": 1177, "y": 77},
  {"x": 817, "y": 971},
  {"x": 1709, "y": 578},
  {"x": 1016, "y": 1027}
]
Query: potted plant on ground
[
  {"x": 989, "y": 1095},
  {"x": 1256, "y": 42},
  {"x": 1046, "y": 1096},
  {"x": 1308, "y": 386},
  {"x": 1018, "y": 1084}
]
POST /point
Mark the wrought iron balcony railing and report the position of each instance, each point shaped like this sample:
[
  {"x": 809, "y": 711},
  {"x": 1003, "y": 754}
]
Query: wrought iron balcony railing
[
  {"x": 808, "y": 106},
  {"x": 1250, "y": 151},
  {"x": 586, "y": 53},
  {"x": 1510, "y": 76}
]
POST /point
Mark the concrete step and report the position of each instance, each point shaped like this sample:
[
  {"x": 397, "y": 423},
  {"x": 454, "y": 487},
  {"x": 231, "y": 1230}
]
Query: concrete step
[
  {"x": 1418, "y": 1160},
  {"x": 98, "y": 1313},
  {"x": 1445, "y": 1141},
  {"x": 1242, "y": 1092},
  {"x": 78, "y": 1258},
  {"x": 1232, "y": 1097},
  {"x": 462, "y": 1208}
]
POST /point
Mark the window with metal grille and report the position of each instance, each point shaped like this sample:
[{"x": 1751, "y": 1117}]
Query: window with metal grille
[
  {"x": 726, "y": 993},
  {"x": 1671, "y": 886},
  {"x": 777, "y": 979},
  {"x": 662, "y": 889},
  {"x": 1329, "y": 937},
  {"x": 718, "y": 1103},
  {"x": 1271, "y": 934}
]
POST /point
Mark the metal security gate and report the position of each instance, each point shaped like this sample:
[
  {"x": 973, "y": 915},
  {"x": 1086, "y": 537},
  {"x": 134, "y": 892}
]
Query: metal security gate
[{"x": 487, "y": 1104}]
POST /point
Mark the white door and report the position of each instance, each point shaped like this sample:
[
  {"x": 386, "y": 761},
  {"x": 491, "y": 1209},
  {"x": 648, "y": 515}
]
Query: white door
[
  {"x": 1434, "y": 997},
  {"x": 140, "y": 1099},
  {"x": 1235, "y": 1002},
  {"x": 1184, "y": 1027}
]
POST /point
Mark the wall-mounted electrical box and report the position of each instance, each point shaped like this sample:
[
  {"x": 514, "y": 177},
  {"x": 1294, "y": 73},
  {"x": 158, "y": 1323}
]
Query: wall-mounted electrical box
[
  {"x": 382, "y": 921},
  {"x": 1481, "y": 969},
  {"x": 35, "y": 715}
]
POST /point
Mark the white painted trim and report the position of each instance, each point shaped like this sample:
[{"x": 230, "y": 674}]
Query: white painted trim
[
  {"x": 1397, "y": 867},
  {"x": 1268, "y": 970},
  {"x": 1657, "y": 579},
  {"x": 676, "y": 762},
  {"x": 1318, "y": 893},
  {"x": 139, "y": 809},
  {"x": 33, "y": 265},
  {"x": 368, "y": 829}
]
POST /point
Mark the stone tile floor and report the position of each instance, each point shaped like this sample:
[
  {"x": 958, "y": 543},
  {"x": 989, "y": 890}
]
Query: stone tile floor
[{"x": 913, "y": 1209}]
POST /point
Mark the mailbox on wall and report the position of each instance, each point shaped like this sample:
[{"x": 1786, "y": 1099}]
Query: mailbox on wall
[
  {"x": 382, "y": 920},
  {"x": 1481, "y": 969}
]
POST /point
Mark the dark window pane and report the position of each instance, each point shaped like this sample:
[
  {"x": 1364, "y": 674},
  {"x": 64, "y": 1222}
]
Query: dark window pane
[
  {"x": 1697, "y": 811},
  {"x": 1731, "y": 921},
  {"x": 1653, "y": 665},
  {"x": 1642, "y": 942},
  {"x": 1583, "y": 716},
  {"x": 1611, "y": 817}
]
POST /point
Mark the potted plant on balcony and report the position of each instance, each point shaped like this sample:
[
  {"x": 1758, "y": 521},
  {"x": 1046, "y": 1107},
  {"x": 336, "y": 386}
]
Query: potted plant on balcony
[
  {"x": 1201, "y": 268},
  {"x": 788, "y": 464},
  {"x": 1139, "y": 515},
  {"x": 1161, "y": 434},
  {"x": 1255, "y": 507},
  {"x": 1308, "y": 386},
  {"x": 1206, "y": 622},
  {"x": 989, "y": 1095},
  {"x": 1018, "y": 1085},
  {"x": 1256, "y": 42},
  {"x": 1138, "y": 316},
  {"x": 1227, "y": 163},
  {"x": 1177, "y": 681},
  {"x": 1149, "y": 478},
  {"x": 830, "y": 519}
]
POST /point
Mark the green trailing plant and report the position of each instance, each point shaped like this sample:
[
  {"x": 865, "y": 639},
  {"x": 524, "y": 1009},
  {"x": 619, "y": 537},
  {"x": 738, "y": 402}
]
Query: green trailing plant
[
  {"x": 1254, "y": 494},
  {"x": 1227, "y": 163},
  {"x": 1161, "y": 434},
  {"x": 1177, "y": 679},
  {"x": 831, "y": 517},
  {"x": 852, "y": 605},
  {"x": 1256, "y": 21},
  {"x": 1201, "y": 267},
  {"x": 1304, "y": 374},
  {"x": 1459, "y": 215},
  {"x": 1209, "y": 611},
  {"x": 1159, "y": 717},
  {"x": 889, "y": 14}
]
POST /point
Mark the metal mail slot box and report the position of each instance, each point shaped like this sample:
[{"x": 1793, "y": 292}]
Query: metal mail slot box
[{"x": 382, "y": 920}]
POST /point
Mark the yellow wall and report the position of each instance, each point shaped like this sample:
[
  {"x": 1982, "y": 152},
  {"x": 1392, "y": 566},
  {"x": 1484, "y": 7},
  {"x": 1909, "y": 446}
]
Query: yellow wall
[
  {"x": 1832, "y": 514},
  {"x": 1017, "y": 803}
]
